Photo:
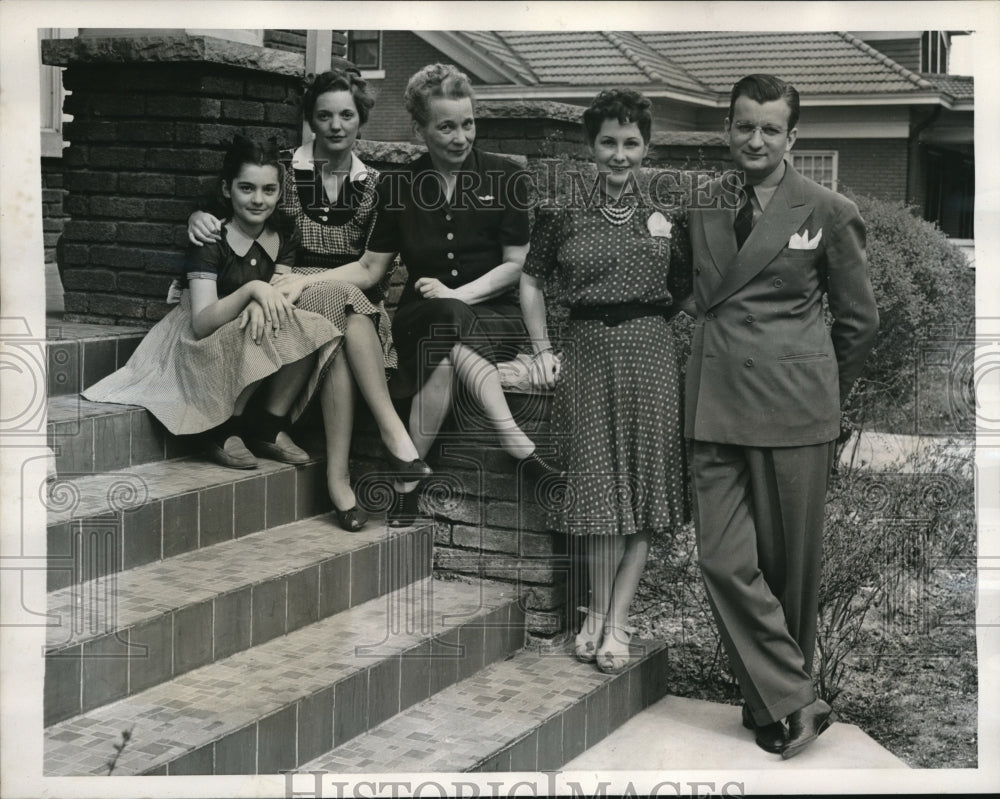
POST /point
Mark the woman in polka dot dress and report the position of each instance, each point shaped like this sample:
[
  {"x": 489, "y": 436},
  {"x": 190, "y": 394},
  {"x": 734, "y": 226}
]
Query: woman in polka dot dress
[{"x": 617, "y": 382}]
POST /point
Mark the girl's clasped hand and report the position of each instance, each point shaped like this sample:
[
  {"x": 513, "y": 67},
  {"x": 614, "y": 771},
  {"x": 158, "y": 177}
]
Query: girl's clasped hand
[
  {"x": 232, "y": 332},
  {"x": 268, "y": 311}
]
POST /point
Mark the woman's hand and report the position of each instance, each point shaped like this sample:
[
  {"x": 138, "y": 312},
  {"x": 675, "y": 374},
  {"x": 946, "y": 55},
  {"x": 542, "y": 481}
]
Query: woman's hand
[
  {"x": 252, "y": 319},
  {"x": 433, "y": 289},
  {"x": 290, "y": 285},
  {"x": 203, "y": 228},
  {"x": 545, "y": 369},
  {"x": 275, "y": 305}
]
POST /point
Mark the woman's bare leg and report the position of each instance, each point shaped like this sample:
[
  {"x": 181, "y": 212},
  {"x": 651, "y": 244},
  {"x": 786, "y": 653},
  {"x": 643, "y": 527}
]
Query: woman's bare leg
[
  {"x": 337, "y": 403},
  {"x": 364, "y": 354}
]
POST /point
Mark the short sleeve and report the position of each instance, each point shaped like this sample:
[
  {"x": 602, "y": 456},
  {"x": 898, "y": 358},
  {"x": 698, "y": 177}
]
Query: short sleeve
[
  {"x": 545, "y": 239},
  {"x": 680, "y": 278},
  {"x": 385, "y": 234},
  {"x": 203, "y": 262},
  {"x": 515, "y": 226},
  {"x": 288, "y": 251}
]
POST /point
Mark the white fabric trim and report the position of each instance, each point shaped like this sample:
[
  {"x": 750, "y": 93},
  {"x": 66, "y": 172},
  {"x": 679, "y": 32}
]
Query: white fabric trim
[
  {"x": 302, "y": 158},
  {"x": 241, "y": 243}
]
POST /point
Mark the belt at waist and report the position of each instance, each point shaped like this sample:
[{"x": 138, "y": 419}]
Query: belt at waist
[{"x": 613, "y": 315}]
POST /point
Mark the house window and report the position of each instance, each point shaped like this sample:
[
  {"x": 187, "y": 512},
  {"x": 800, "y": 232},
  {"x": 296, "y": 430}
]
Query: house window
[
  {"x": 52, "y": 95},
  {"x": 364, "y": 49},
  {"x": 933, "y": 52},
  {"x": 819, "y": 165}
]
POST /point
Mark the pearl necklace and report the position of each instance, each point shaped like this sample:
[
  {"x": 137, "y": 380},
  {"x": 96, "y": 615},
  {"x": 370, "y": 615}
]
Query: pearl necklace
[{"x": 618, "y": 214}]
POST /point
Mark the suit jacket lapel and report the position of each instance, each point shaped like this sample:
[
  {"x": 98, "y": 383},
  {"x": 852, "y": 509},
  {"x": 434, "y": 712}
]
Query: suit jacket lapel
[
  {"x": 784, "y": 215},
  {"x": 714, "y": 233}
]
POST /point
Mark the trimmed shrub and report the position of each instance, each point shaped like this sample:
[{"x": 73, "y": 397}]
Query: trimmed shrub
[{"x": 922, "y": 284}]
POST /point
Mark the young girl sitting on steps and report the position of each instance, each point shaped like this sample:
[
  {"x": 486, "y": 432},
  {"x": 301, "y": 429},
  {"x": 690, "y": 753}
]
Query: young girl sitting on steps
[{"x": 231, "y": 331}]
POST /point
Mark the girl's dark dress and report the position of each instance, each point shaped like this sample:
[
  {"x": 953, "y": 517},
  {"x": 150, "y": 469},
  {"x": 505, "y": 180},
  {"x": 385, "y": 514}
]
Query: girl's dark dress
[{"x": 190, "y": 384}]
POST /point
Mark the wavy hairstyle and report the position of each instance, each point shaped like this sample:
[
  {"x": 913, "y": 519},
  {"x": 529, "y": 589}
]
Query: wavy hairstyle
[
  {"x": 339, "y": 80},
  {"x": 435, "y": 80},
  {"x": 625, "y": 105},
  {"x": 763, "y": 89}
]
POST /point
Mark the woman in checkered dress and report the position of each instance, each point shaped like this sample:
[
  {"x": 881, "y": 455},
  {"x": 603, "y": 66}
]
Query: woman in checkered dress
[{"x": 331, "y": 195}]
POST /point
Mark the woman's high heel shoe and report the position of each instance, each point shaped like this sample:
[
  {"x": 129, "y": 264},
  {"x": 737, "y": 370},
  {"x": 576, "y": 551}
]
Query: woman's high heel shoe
[
  {"x": 404, "y": 510},
  {"x": 585, "y": 648},
  {"x": 613, "y": 661},
  {"x": 352, "y": 519},
  {"x": 408, "y": 470}
]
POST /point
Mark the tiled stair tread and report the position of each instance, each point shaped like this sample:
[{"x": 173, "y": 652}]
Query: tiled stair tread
[
  {"x": 58, "y": 330},
  {"x": 98, "y": 494},
  {"x": 460, "y": 727},
  {"x": 68, "y": 407},
  {"x": 145, "y": 592},
  {"x": 206, "y": 704}
]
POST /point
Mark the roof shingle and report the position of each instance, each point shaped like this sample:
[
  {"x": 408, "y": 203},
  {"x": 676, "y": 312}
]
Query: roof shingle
[{"x": 702, "y": 62}]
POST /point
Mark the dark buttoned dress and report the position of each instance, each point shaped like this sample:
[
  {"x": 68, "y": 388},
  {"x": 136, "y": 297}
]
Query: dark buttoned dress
[{"x": 456, "y": 242}]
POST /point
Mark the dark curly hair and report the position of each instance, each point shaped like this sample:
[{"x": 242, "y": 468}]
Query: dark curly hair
[
  {"x": 339, "y": 80},
  {"x": 247, "y": 151},
  {"x": 625, "y": 105}
]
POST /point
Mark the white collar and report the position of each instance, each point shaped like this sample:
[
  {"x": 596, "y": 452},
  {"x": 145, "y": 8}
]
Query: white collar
[
  {"x": 240, "y": 242},
  {"x": 302, "y": 158}
]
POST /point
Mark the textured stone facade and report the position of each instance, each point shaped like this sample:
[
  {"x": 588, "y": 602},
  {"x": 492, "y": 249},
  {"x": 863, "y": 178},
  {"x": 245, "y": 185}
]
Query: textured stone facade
[{"x": 151, "y": 120}]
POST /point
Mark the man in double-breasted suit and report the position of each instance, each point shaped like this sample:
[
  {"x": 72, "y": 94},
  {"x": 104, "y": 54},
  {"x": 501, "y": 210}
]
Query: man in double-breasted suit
[{"x": 765, "y": 385}]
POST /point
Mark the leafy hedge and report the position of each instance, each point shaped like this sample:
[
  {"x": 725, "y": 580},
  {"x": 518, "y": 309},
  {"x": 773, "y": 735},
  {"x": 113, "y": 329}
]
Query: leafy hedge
[{"x": 923, "y": 289}]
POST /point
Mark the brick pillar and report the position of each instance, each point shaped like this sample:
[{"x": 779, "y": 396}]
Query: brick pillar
[
  {"x": 151, "y": 119},
  {"x": 492, "y": 524}
]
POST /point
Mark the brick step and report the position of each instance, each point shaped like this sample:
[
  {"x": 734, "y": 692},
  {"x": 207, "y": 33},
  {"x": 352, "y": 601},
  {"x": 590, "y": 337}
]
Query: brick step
[
  {"x": 78, "y": 355},
  {"x": 533, "y": 712},
  {"x": 109, "y": 522},
  {"x": 94, "y": 437},
  {"x": 118, "y": 635},
  {"x": 284, "y": 702}
]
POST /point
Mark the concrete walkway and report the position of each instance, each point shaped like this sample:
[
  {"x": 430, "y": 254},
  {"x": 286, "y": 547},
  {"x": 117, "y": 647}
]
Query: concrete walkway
[
  {"x": 691, "y": 734},
  {"x": 907, "y": 454}
]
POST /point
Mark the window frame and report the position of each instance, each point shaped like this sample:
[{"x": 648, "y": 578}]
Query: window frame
[
  {"x": 366, "y": 69},
  {"x": 834, "y": 168}
]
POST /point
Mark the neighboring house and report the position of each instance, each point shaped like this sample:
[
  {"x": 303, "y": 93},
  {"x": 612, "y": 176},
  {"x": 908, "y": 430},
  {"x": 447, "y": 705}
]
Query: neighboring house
[{"x": 880, "y": 114}]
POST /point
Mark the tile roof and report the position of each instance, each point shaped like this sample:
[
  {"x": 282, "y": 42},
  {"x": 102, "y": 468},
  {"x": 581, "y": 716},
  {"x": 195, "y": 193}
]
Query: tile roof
[
  {"x": 958, "y": 86},
  {"x": 584, "y": 57},
  {"x": 823, "y": 62},
  {"x": 700, "y": 62}
]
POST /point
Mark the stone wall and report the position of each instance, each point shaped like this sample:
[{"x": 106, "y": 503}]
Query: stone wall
[{"x": 151, "y": 120}]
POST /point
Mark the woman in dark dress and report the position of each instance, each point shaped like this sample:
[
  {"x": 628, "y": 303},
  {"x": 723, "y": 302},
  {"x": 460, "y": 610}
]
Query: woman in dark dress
[
  {"x": 617, "y": 391},
  {"x": 331, "y": 195},
  {"x": 459, "y": 220}
]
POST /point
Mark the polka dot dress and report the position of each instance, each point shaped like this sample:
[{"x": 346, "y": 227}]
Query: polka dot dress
[{"x": 618, "y": 399}]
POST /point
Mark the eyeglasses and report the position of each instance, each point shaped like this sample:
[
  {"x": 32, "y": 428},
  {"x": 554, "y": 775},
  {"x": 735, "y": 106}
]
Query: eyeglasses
[{"x": 746, "y": 130}]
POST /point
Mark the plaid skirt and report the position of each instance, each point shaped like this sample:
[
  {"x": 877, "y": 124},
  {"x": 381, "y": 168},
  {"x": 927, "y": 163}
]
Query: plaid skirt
[
  {"x": 332, "y": 299},
  {"x": 190, "y": 384}
]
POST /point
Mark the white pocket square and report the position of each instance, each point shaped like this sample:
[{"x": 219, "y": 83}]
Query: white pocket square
[{"x": 801, "y": 241}]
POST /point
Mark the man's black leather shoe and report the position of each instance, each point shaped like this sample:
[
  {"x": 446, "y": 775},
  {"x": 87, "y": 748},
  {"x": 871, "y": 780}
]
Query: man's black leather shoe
[
  {"x": 770, "y": 737},
  {"x": 806, "y": 725}
]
